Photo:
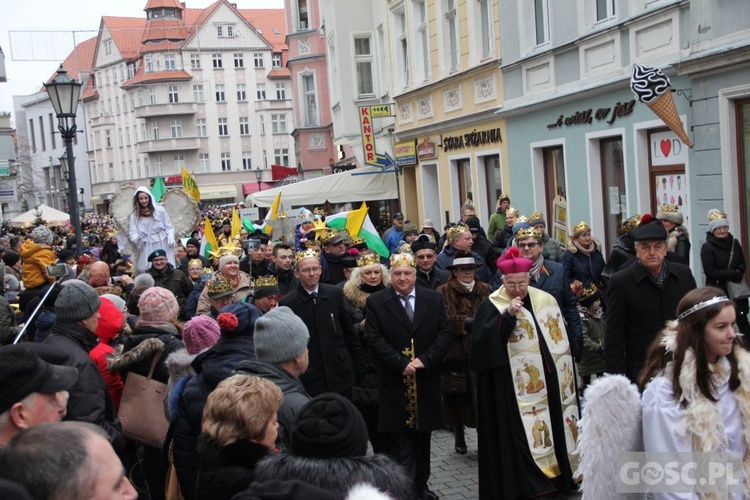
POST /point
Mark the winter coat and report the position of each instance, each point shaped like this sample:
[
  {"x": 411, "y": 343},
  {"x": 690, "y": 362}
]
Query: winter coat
[
  {"x": 715, "y": 259},
  {"x": 445, "y": 259},
  {"x": 622, "y": 251},
  {"x": 226, "y": 470},
  {"x": 295, "y": 395},
  {"x": 497, "y": 223},
  {"x": 175, "y": 281},
  {"x": 89, "y": 399},
  {"x": 461, "y": 305},
  {"x": 8, "y": 324},
  {"x": 287, "y": 280},
  {"x": 212, "y": 366},
  {"x": 636, "y": 312},
  {"x": 35, "y": 259},
  {"x": 483, "y": 247},
  {"x": 501, "y": 240},
  {"x": 592, "y": 360},
  {"x": 242, "y": 290},
  {"x": 110, "y": 324},
  {"x": 584, "y": 268},
  {"x": 139, "y": 351},
  {"x": 179, "y": 365},
  {"x": 679, "y": 243},
  {"x": 335, "y": 348},
  {"x": 553, "y": 249},
  {"x": 338, "y": 474},
  {"x": 433, "y": 279},
  {"x": 191, "y": 303}
]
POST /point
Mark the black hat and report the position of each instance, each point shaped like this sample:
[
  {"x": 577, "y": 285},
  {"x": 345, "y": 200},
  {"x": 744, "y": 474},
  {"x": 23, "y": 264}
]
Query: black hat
[
  {"x": 329, "y": 426},
  {"x": 650, "y": 229},
  {"x": 10, "y": 258},
  {"x": 349, "y": 261},
  {"x": 473, "y": 223},
  {"x": 265, "y": 286},
  {"x": 589, "y": 295},
  {"x": 22, "y": 372},
  {"x": 398, "y": 215},
  {"x": 157, "y": 253},
  {"x": 64, "y": 255},
  {"x": 463, "y": 259},
  {"x": 226, "y": 222},
  {"x": 193, "y": 241},
  {"x": 422, "y": 242}
]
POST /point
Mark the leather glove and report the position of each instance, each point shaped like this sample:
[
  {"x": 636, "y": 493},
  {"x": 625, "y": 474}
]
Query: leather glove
[{"x": 468, "y": 323}]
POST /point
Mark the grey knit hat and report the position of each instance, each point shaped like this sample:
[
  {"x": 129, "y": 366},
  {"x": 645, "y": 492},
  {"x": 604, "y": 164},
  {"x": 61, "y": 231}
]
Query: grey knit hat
[
  {"x": 41, "y": 235},
  {"x": 76, "y": 301},
  {"x": 280, "y": 335},
  {"x": 716, "y": 219}
]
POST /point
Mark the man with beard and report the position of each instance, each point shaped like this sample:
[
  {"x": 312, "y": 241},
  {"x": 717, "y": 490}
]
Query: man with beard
[
  {"x": 428, "y": 275},
  {"x": 166, "y": 276},
  {"x": 282, "y": 267}
]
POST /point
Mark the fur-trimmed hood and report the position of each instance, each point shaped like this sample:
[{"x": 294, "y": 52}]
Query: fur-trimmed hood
[
  {"x": 179, "y": 364},
  {"x": 570, "y": 247},
  {"x": 675, "y": 235},
  {"x": 144, "y": 350}
]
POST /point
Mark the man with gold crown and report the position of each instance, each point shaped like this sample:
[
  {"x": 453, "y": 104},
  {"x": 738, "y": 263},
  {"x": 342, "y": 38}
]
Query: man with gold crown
[
  {"x": 513, "y": 461},
  {"x": 459, "y": 237}
]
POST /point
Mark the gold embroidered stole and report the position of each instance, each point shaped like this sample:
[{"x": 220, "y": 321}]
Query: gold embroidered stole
[{"x": 530, "y": 383}]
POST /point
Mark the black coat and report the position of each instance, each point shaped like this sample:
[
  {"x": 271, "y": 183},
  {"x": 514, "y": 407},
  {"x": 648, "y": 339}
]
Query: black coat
[
  {"x": 636, "y": 312},
  {"x": 334, "y": 348},
  {"x": 175, "y": 281},
  {"x": 227, "y": 470},
  {"x": 433, "y": 279},
  {"x": 584, "y": 268},
  {"x": 389, "y": 330},
  {"x": 287, "y": 280},
  {"x": 715, "y": 259}
]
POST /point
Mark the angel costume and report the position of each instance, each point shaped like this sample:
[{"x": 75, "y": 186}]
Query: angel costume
[{"x": 151, "y": 233}]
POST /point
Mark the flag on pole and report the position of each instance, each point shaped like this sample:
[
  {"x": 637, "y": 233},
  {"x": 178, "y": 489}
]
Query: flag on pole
[
  {"x": 368, "y": 232},
  {"x": 208, "y": 242},
  {"x": 236, "y": 223},
  {"x": 159, "y": 189},
  {"x": 189, "y": 185},
  {"x": 272, "y": 214}
]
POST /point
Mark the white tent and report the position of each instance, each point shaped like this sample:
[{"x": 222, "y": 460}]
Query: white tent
[
  {"x": 335, "y": 188},
  {"x": 51, "y": 216}
]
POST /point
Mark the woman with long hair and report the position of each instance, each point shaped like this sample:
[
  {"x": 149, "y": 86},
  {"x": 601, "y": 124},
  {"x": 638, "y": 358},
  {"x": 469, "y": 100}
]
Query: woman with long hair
[
  {"x": 696, "y": 396},
  {"x": 150, "y": 229}
]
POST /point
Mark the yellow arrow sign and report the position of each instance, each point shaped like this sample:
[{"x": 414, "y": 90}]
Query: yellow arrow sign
[{"x": 381, "y": 111}]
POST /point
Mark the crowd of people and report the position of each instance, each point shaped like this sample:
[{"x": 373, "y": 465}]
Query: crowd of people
[{"x": 317, "y": 368}]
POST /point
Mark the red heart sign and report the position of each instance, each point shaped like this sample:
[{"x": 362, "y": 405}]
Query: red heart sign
[{"x": 666, "y": 147}]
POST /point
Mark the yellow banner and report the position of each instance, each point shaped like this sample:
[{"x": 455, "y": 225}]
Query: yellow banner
[{"x": 189, "y": 185}]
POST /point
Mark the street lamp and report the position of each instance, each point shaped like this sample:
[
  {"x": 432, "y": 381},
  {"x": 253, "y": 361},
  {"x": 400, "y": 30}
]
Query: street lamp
[
  {"x": 64, "y": 93},
  {"x": 258, "y": 175},
  {"x": 65, "y": 172}
]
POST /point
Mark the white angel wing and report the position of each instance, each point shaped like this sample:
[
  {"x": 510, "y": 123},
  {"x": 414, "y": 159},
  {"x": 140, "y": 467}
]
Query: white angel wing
[
  {"x": 120, "y": 208},
  {"x": 182, "y": 210}
]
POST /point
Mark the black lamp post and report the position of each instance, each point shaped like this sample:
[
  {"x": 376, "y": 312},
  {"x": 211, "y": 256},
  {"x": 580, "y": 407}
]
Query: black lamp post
[
  {"x": 65, "y": 172},
  {"x": 258, "y": 176},
  {"x": 64, "y": 93}
]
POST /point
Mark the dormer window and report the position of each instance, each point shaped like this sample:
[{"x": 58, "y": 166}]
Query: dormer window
[
  {"x": 164, "y": 12},
  {"x": 225, "y": 31}
]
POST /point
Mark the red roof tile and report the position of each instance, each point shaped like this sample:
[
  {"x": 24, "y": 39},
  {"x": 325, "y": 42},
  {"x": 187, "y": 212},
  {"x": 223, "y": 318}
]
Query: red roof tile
[
  {"x": 280, "y": 73},
  {"x": 81, "y": 60},
  {"x": 162, "y": 76},
  {"x": 89, "y": 92},
  {"x": 164, "y": 29},
  {"x": 126, "y": 32},
  {"x": 155, "y": 4}
]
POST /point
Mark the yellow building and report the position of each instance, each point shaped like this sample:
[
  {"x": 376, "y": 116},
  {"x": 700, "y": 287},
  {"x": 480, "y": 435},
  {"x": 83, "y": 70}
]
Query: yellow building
[{"x": 447, "y": 86}]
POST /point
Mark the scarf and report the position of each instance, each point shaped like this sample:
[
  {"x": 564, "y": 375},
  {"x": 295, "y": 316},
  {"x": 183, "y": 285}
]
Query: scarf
[
  {"x": 658, "y": 278},
  {"x": 587, "y": 251},
  {"x": 536, "y": 268},
  {"x": 145, "y": 212},
  {"x": 371, "y": 289},
  {"x": 468, "y": 286}
]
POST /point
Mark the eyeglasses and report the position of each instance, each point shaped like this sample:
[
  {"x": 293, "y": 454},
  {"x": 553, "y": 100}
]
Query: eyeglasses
[
  {"x": 517, "y": 286},
  {"x": 527, "y": 245},
  {"x": 309, "y": 270}
]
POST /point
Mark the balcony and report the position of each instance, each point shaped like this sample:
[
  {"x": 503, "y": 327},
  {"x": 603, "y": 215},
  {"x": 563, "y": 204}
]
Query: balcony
[
  {"x": 179, "y": 144},
  {"x": 101, "y": 120},
  {"x": 166, "y": 109},
  {"x": 272, "y": 104}
]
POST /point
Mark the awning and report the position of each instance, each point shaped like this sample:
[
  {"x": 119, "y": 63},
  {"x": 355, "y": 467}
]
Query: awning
[
  {"x": 252, "y": 187},
  {"x": 336, "y": 188},
  {"x": 218, "y": 192},
  {"x": 96, "y": 199}
]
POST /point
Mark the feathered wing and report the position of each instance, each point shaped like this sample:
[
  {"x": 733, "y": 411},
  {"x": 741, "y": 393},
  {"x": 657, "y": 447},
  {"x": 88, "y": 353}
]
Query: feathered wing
[
  {"x": 120, "y": 208},
  {"x": 611, "y": 425},
  {"x": 182, "y": 210}
]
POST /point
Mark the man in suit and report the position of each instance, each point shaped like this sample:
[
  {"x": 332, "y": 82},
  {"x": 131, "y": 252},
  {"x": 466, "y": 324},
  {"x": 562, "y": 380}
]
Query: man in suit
[
  {"x": 335, "y": 349},
  {"x": 409, "y": 336}
]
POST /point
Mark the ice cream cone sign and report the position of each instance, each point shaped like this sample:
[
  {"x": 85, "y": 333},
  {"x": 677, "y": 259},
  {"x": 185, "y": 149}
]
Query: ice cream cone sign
[{"x": 652, "y": 87}]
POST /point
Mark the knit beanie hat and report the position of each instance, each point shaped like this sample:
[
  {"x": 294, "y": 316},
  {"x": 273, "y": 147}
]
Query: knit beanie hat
[
  {"x": 10, "y": 258},
  {"x": 280, "y": 335},
  {"x": 193, "y": 241},
  {"x": 76, "y": 301},
  {"x": 41, "y": 235},
  {"x": 158, "y": 305},
  {"x": 200, "y": 333},
  {"x": 225, "y": 259},
  {"x": 119, "y": 302},
  {"x": 716, "y": 219},
  {"x": 238, "y": 320},
  {"x": 329, "y": 426}
]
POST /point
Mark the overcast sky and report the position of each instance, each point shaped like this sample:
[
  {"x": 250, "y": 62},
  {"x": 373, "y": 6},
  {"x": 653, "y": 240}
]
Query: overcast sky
[{"x": 55, "y": 21}]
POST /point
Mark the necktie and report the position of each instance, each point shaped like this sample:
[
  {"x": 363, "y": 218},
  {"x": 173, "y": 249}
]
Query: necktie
[
  {"x": 407, "y": 306},
  {"x": 314, "y": 296}
]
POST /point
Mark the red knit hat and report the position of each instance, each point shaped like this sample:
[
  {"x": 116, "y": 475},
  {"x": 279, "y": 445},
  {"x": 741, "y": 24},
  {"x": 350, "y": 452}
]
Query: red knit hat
[
  {"x": 511, "y": 262},
  {"x": 158, "y": 305}
]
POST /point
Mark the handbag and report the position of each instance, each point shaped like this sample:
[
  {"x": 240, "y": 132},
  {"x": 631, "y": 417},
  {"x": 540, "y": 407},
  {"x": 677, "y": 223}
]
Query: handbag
[
  {"x": 736, "y": 290},
  {"x": 142, "y": 408}
]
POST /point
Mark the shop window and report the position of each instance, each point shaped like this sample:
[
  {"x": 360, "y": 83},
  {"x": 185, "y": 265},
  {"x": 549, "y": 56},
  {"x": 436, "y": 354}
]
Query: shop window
[
  {"x": 465, "y": 189},
  {"x": 554, "y": 192},
  {"x": 613, "y": 184},
  {"x": 494, "y": 181}
]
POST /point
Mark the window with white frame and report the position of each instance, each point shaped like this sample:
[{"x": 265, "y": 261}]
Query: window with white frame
[
  {"x": 174, "y": 95},
  {"x": 244, "y": 125},
  {"x": 151, "y": 96},
  {"x": 422, "y": 70},
  {"x": 223, "y": 127},
  {"x": 198, "y": 93},
  {"x": 108, "y": 46},
  {"x": 112, "y": 171},
  {"x": 226, "y": 162},
  {"x": 149, "y": 66},
  {"x": 169, "y": 61},
  {"x": 200, "y": 127},
  {"x": 157, "y": 163},
  {"x": 144, "y": 134},
  {"x": 216, "y": 58},
  {"x": 605, "y": 9},
  {"x": 220, "y": 97},
  {"x": 310, "y": 99},
  {"x": 402, "y": 48},
  {"x": 258, "y": 59},
  {"x": 541, "y": 22},
  {"x": 280, "y": 91},
  {"x": 302, "y": 14},
  {"x": 225, "y": 31},
  {"x": 383, "y": 70},
  {"x": 176, "y": 126},
  {"x": 261, "y": 91},
  {"x": 239, "y": 61},
  {"x": 127, "y": 136},
  {"x": 278, "y": 123},
  {"x": 138, "y": 171},
  {"x": 485, "y": 23},
  {"x": 281, "y": 157},
  {"x": 451, "y": 30},
  {"x": 203, "y": 162},
  {"x": 275, "y": 60},
  {"x": 262, "y": 124},
  {"x": 241, "y": 93},
  {"x": 179, "y": 162},
  {"x": 247, "y": 160},
  {"x": 155, "y": 131},
  {"x": 195, "y": 61},
  {"x": 363, "y": 64}
]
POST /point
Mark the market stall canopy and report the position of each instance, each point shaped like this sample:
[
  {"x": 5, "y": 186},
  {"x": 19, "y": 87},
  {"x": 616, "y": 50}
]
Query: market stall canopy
[
  {"x": 335, "y": 188},
  {"x": 51, "y": 216}
]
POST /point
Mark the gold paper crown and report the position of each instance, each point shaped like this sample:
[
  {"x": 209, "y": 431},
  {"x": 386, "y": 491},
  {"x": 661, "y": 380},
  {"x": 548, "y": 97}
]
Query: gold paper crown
[
  {"x": 217, "y": 284},
  {"x": 228, "y": 249},
  {"x": 536, "y": 215},
  {"x": 405, "y": 248},
  {"x": 307, "y": 254},
  {"x": 527, "y": 232},
  {"x": 588, "y": 291},
  {"x": 312, "y": 243},
  {"x": 402, "y": 260},
  {"x": 581, "y": 226},
  {"x": 368, "y": 260},
  {"x": 630, "y": 224},
  {"x": 357, "y": 241},
  {"x": 454, "y": 231},
  {"x": 511, "y": 209},
  {"x": 504, "y": 195},
  {"x": 330, "y": 233},
  {"x": 522, "y": 218},
  {"x": 195, "y": 261},
  {"x": 670, "y": 209},
  {"x": 319, "y": 211},
  {"x": 267, "y": 280},
  {"x": 716, "y": 214}
]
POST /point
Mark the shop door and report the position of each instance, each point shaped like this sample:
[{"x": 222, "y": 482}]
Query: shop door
[
  {"x": 494, "y": 182},
  {"x": 741, "y": 230},
  {"x": 554, "y": 188},
  {"x": 613, "y": 186},
  {"x": 465, "y": 184}
]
